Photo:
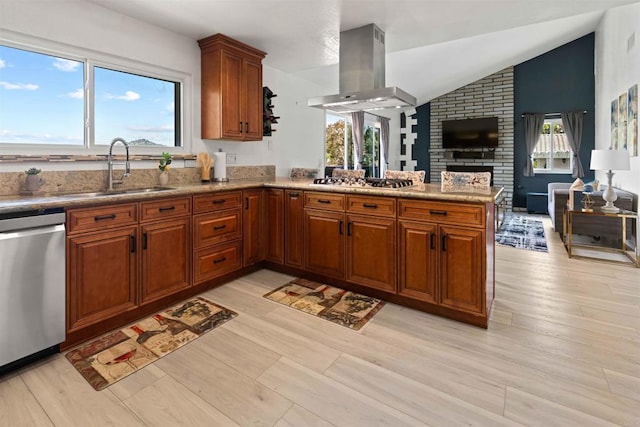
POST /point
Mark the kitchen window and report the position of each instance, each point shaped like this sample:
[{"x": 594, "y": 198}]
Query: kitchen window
[
  {"x": 552, "y": 153},
  {"x": 56, "y": 100},
  {"x": 339, "y": 144}
]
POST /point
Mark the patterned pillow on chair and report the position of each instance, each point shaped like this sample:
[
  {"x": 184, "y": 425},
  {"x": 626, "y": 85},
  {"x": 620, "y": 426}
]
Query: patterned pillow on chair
[
  {"x": 346, "y": 173},
  {"x": 466, "y": 182},
  {"x": 416, "y": 176}
]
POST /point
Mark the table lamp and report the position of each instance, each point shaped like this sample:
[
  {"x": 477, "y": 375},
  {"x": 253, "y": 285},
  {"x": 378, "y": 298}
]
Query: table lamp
[{"x": 609, "y": 160}]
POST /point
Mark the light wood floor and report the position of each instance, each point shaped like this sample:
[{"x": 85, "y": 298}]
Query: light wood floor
[{"x": 562, "y": 349}]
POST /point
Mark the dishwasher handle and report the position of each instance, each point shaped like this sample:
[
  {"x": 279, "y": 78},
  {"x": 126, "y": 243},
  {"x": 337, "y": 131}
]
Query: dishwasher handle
[{"x": 6, "y": 235}]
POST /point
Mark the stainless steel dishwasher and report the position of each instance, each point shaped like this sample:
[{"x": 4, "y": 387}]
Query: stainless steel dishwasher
[{"x": 32, "y": 286}]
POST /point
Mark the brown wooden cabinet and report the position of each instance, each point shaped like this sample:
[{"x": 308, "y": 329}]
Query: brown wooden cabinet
[
  {"x": 442, "y": 254},
  {"x": 294, "y": 228},
  {"x": 417, "y": 259},
  {"x": 102, "y": 267},
  {"x": 252, "y": 226},
  {"x": 274, "y": 242},
  {"x": 324, "y": 242},
  {"x": 231, "y": 89},
  {"x": 217, "y": 235}
]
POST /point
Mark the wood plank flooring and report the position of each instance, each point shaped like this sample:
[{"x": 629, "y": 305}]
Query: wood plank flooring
[{"x": 562, "y": 349}]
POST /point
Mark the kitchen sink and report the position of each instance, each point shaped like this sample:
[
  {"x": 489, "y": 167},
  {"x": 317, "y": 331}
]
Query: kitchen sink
[{"x": 116, "y": 192}]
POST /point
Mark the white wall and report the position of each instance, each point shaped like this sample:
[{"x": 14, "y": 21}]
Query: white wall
[
  {"x": 617, "y": 69},
  {"x": 298, "y": 140}
]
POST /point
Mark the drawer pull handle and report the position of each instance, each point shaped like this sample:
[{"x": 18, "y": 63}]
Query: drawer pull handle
[
  {"x": 246, "y": 203},
  {"x": 144, "y": 241},
  {"x": 341, "y": 228},
  {"x": 246, "y": 127},
  {"x": 218, "y": 201},
  {"x": 294, "y": 194},
  {"x": 432, "y": 241},
  {"x": 219, "y": 260},
  {"x": 441, "y": 213},
  {"x": 132, "y": 244},
  {"x": 219, "y": 227},
  {"x": 349, "y": 228},
  {"x": 444, "y": 243},
  {"x": 104, "y": 217},
  {"x": 325, "y": 201},
  {"x": 167, "y": 208},
  {"x": 240, "y": 127},
  {"x": 370, "y": 205}
]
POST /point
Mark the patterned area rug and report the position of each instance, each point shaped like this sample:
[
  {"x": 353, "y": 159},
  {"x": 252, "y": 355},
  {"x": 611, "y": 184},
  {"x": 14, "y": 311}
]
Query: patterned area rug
[
  {"x": 118, "y": 354},
  {"x": 522, "y": 232},
  {"x": 334, "y": 304}
]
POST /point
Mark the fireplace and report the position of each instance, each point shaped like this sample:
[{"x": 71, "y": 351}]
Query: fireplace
[{"x": 475, "y": 168}]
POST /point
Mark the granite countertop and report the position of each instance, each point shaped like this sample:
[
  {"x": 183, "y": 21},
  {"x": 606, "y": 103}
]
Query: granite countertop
[{"x": 19, "y": 203}]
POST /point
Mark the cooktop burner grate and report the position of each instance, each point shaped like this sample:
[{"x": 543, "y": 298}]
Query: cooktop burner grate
[{"x": 365, "y": 182}]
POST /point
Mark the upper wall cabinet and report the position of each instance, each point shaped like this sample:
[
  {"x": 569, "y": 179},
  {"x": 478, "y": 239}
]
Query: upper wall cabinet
[{"x": 231, "y": 89}]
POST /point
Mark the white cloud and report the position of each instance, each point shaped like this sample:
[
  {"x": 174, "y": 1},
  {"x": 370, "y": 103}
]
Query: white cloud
[
  {"x": 2, "y": 63},
  {"x": 18, "y": 86},
  {"x": 171, "y": 107},
  {"x": 128, "y": 96},
  {"x": 76, "y": 94},
  {"x": 65, "y": 65},
  {"x": 151, "y": 128}
]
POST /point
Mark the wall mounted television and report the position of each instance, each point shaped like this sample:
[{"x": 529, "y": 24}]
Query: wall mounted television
[{"x": 470, "y": 133}]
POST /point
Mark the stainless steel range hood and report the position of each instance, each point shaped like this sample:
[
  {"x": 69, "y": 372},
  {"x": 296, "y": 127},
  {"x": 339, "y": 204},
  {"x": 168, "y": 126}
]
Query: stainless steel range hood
[{"x": 362, "y": 76}]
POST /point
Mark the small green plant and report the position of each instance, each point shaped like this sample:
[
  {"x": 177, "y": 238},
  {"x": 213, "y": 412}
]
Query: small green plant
[
  {"x": 164, "y": 162},
  {"x": 32, "y": 171}
]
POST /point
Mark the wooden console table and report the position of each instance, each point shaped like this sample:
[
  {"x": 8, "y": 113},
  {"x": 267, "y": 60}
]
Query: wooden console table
[{"x": 623, "y": 215}]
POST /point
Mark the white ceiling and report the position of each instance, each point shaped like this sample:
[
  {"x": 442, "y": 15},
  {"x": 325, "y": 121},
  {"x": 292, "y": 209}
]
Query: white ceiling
[{"x": 425, "y": 39}]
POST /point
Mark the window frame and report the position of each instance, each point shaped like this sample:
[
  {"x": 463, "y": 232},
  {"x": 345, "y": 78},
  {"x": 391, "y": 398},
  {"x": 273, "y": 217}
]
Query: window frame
[
  {"x": 539, "y": 171},
  {"x": 89, "y": 59}
]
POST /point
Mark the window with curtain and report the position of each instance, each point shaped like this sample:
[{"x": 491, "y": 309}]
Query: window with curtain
[
  {"x": 339, "y": 144},
  {"x": 552, "y": 153}
]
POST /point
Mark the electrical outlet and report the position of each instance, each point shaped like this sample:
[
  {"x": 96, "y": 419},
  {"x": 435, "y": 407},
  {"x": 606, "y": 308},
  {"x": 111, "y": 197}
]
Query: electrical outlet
[{"x": 232, "y": 158}]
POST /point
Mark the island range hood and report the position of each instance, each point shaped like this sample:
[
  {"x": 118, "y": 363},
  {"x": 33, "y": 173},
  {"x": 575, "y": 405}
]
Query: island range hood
[{"x": 362, "y": 76}]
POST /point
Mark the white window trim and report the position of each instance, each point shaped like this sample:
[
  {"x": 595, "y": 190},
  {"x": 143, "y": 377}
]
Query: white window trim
[
  {"x": 92, "y": 58},
  {"x": 569, "y": 171}
]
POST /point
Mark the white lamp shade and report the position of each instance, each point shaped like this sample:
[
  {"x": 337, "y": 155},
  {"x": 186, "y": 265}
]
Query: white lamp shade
[{"x": 610, "y": 160}]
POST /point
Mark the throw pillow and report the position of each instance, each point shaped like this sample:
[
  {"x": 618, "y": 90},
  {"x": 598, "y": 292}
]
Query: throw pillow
[{"x": 576, "y": 185}]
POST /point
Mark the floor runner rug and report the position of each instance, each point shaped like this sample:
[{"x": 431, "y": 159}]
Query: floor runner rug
[
  {"x": 522, "y": 232},
  {"x": 118, "y": 354},
  {"x": 334, "y": 304}
]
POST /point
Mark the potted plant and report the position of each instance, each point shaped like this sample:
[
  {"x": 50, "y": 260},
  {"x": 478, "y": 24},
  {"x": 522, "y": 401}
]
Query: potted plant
[
  {"x": 163, "y": 165},
  {"x": 33, "y": 181}
]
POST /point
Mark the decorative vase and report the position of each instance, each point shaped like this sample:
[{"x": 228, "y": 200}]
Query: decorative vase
[
  {"x": 163, "y": 178},
  {"x": 32, "y": 183}
]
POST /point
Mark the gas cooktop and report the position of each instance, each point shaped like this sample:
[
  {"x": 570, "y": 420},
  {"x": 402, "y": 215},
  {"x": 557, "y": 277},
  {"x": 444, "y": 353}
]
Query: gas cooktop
[{"x": 364, "y": 182}]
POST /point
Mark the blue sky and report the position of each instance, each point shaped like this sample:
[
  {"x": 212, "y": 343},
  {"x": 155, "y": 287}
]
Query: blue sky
[{"x": 42, "y": 101}]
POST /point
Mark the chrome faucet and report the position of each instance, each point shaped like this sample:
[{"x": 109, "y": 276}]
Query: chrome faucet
[{"x": 127, "y": 168}]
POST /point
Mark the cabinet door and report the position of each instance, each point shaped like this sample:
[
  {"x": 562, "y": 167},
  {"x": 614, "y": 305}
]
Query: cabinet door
[
  {"x": 371, "y": 252},
  {"x": 324, "y": 242},
  {"x": 294, "y": 228},
  {"x": 252, "y": 98},
  {"x": 232, "y": 92},
  {"x": 418, "y": 261},
  {"x": 274, "y": 244},
  {"x": 462, "y": 268},
  {"x": 252, "y": 227},
  {"x": 165, "y": 257},
  {"x": 101, "y": 276}
]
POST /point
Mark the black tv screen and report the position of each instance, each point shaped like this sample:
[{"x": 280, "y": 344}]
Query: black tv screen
[{"x": 470, "y": 133}]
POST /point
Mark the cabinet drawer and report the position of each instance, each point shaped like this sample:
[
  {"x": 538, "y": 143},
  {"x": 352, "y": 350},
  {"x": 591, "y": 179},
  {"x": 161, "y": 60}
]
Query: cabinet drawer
[
  {"x": 216, "y": 201},
  {"x": 327, "y": 201},
  {"x": 219, "y": 227},
  {"x": 91, "y": 219},
  {"x": 216, "y": 261},
  {"x": 165, "y": 208},
  {"x": 378, "y": 206},
  {"x": 442, "y": 212}
]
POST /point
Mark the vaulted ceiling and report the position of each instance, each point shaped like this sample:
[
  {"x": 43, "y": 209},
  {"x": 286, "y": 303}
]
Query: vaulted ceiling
[{"x": 433, "y": 46}]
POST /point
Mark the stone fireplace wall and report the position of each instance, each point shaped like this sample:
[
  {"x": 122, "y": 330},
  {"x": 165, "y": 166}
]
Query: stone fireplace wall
[{"x": 491, "y": 96}]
